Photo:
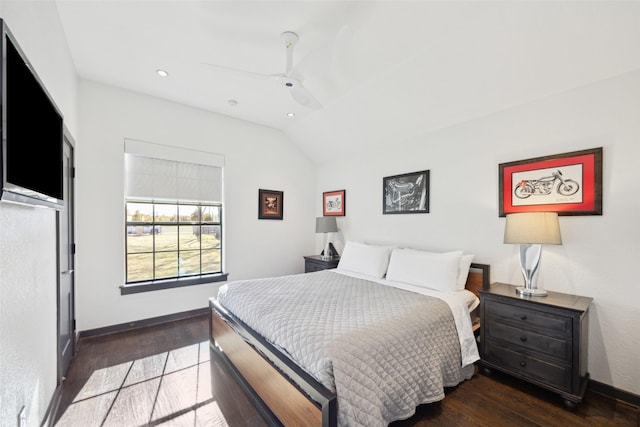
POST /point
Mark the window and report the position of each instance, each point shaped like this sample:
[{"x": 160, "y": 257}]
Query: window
[
  {"x": 173, "y": 217},
  {"x": 172, "y": 240}
]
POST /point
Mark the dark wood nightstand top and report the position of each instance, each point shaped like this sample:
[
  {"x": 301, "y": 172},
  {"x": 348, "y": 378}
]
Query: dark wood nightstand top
[
  {"x": 319, "y": 258},
  {"x": 553, "y": 299}
]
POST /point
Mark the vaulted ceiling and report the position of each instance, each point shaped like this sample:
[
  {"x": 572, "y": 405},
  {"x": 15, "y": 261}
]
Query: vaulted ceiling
[{"x": 382, "y": 71}]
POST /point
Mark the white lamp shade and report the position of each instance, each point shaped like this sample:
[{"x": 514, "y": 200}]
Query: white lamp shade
[
  {"x": 533, "y": 228},
  {"x": 326, "y": 224}
]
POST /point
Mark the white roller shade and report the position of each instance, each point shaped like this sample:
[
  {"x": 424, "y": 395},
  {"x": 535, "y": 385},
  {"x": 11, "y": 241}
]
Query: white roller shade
[{"x": 162, "y": 173}]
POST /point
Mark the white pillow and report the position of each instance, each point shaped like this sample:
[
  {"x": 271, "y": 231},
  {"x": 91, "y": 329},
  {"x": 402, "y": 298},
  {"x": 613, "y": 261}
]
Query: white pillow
[
  {"x": 438, "y": 271},
  {"x": 363, "y": 258},
  {"x": 463, "y": 270}
]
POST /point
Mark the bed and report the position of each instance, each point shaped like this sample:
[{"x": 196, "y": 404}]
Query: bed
[{"x": 362, "y": 344}]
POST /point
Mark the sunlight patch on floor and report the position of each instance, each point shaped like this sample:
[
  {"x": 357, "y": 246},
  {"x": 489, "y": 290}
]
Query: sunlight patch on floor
[{"x": 169, "y": 389}]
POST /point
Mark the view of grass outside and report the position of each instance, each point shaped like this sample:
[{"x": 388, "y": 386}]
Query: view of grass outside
[{"x": 170, "y": 241}]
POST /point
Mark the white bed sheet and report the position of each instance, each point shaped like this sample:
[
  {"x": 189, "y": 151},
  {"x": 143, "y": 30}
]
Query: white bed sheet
[{"x": 461, "y": 304}]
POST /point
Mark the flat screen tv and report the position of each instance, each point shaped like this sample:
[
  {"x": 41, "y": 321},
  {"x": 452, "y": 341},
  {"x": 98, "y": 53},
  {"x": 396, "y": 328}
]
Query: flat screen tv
[{"x": 32, "y": 132}]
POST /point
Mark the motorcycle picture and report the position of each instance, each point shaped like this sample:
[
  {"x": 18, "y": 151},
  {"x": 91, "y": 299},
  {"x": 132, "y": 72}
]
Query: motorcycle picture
[{"x": 545, "y": 185}]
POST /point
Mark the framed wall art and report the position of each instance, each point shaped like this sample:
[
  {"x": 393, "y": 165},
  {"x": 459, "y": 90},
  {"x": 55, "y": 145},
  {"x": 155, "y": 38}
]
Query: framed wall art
[
  {"x": 270, "y": 204},
  {"x": 567, "y": 183},
  {"x": 406, "y": 193},
  {"x": 334, "y": 203}
]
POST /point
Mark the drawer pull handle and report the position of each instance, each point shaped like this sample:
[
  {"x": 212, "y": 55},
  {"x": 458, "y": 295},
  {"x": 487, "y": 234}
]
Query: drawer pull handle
[
  {"x": 523, "y": 363},
  {"x": 523, "y": 338},
  {"x": 523, "y": 317}
]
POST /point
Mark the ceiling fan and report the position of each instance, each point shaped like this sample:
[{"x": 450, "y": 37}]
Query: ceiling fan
[
  {"x": 290, "y": 79},
  {"x": 294, "y": 83}
]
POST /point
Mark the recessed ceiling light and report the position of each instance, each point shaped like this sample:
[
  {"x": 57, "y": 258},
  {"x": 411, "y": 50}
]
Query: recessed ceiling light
[
  {"x": 291, "y": 114},
  {"x": 232, "y": 102},
  {"x": 162, "y": 73}
]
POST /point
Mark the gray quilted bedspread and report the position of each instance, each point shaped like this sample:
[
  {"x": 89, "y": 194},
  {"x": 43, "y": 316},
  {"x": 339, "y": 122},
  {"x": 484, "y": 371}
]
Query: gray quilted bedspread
[{"x": 382, "y": 350}]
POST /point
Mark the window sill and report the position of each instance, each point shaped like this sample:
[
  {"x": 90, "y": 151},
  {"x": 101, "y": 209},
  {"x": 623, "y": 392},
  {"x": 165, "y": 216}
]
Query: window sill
[{"x": 157, "y": 285}]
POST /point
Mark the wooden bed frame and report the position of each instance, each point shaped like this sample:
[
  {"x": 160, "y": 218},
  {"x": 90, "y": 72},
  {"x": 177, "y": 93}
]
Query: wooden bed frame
[{"x": 284, "y": 393}]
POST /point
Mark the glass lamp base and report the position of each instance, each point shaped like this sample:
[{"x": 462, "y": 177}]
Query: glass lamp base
[
  {"x": 531, "y": 292},
  {"x": 530, "y": 255},
  {"x": 325, "y": 254}
]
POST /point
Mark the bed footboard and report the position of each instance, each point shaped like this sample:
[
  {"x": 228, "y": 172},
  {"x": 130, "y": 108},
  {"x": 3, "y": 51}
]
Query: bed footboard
[{"x": 284, "y": 394}]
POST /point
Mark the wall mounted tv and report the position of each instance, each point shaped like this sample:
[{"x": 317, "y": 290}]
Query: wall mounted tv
[{"x": 32, "y": 132}]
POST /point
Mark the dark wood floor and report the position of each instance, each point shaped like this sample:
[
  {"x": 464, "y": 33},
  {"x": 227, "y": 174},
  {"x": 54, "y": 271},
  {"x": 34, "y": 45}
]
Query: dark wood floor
[{"x": 164, "y": 375}]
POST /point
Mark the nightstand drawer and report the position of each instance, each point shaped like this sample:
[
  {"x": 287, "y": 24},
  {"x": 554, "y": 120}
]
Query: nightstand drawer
[
  {"x": 519, "y": 364},
  {"x": 531, "y": 320},
  {"x": 314, "y": 263},
  {"x": 310, "y": 267},
  {"x": 548, "y": 346}
]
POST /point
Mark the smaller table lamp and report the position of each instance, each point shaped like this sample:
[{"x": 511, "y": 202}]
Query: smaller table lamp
[
  {"x": 531, "y": 230},
  {"x": 326, "y": 224}
]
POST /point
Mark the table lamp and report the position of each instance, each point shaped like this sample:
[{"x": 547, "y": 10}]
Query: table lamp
[
  {"x": 326, "y": 225},
  {"x": 531, "y": 230}
]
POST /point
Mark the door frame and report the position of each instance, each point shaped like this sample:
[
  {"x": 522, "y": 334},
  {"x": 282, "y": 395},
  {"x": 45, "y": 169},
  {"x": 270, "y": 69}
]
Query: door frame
[{"x": 70, "y": 211}]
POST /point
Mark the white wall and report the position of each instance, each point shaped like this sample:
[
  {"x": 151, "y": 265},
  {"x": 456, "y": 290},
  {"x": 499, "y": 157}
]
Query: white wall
[
  {"x": 255, "y": 157},
  {"x": 28, "y": 370},
  {"x": 599, "y": 253}
]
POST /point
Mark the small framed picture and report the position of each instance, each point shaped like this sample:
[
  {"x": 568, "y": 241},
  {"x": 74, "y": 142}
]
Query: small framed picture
[
  {"x": 406, "y": 193},
  {"x": 270, "y": 204},
  {"x": 333, "y": 203},
  {"x": 567, "y": 183}
]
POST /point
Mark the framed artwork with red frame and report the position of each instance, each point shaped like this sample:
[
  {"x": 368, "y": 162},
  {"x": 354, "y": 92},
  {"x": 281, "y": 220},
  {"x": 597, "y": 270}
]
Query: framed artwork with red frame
[
  {"x": 568, "y": 183},
  {"x": 334, "y": 203}
]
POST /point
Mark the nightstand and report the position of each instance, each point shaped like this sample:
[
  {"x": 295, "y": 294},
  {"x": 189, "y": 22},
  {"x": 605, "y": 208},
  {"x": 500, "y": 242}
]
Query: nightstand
[
  {"x": 316, "y": 263},
  {"x": 542, "y": 340}
]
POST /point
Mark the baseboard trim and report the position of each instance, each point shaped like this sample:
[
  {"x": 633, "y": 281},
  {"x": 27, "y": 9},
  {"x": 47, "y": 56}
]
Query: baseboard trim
[
  {"x": 52, "y": 409},
  {"x": 614, "y": 393},
  {"x": 142, "y": 323}
]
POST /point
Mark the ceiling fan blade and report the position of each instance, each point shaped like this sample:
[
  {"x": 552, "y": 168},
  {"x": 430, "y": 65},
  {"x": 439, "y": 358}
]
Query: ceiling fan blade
[
  {"x": 303, "y": 97},
  {"x": 344, "y": 57},
  {"x": 236, "y": 70},
  {"x": 333, "y": 60}
]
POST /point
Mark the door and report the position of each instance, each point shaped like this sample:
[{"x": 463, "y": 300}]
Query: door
[{"x": 66, "y": 251}]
